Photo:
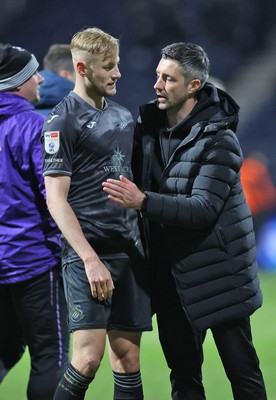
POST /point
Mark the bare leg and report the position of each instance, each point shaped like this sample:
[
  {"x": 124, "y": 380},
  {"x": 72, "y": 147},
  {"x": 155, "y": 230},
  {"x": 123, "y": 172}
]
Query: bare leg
[
  {"x": 124, "y": 354},
  {"x": 88, "y": 350}
]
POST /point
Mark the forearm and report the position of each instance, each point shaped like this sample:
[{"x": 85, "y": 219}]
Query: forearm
[
  {"x": 98, "y": 275},
  {"x": 69, "y": 225},
  {"x": 178, "y": 210}
]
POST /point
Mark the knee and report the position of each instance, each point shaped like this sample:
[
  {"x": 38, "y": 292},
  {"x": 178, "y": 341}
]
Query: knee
[
  {"x": 87, "y": 364},
  {"x": 92, "y": 364},
  {"x": 130, "y": 361}
]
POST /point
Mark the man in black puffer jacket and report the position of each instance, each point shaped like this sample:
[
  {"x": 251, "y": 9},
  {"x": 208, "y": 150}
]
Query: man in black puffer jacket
[{"x": 197, "y": 225}]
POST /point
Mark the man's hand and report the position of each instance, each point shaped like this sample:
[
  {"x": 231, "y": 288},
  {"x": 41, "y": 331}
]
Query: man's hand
[
  {"x": 124, "y": 192},
  {"x": 100, "y": 279}
]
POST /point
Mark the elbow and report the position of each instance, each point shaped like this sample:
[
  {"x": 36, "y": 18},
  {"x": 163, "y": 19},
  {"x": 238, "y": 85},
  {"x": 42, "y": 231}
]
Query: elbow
[{"x": 50, "y": 204}]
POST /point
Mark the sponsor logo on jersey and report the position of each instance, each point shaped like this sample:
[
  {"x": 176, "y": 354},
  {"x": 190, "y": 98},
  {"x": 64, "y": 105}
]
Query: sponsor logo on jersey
[
  {"x": 51, "y": 141},
  {"x": 91, "y": 124},
  {"x": 51, "y": 118},
  {"x": 118, "y": 159},
  {"x": 123, "y": 124},
  {"x": 53, "y": 160}
]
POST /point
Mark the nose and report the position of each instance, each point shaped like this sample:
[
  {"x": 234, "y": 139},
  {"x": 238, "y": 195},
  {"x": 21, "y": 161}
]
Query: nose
[
  {"x": 117, "y": 73},
  {"x": 158, "y": 84},
  {"x": 40, "y": 78}
]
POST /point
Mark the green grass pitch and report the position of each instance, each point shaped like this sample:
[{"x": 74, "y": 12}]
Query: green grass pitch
[{"x": 154, "y": 370}]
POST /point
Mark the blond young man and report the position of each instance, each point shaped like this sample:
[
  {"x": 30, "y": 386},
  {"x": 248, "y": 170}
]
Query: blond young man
[{"x": 88, "y": 138}]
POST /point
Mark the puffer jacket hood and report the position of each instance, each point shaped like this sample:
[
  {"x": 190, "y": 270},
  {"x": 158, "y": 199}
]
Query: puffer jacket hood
[{"x": 217, "y": 107}]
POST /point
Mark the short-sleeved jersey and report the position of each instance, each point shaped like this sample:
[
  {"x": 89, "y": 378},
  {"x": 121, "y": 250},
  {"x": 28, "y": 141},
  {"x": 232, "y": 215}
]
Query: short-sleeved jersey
[{"x": 91, "y": 145}]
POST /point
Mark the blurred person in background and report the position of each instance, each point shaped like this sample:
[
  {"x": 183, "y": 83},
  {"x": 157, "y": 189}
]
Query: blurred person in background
[
  {"x": 32, "y": 303},
  {"x": 59, "y": 77},
  {"x": 259, "y": 188},
  {"x": 197, "y": 224},
  {"x": 88, "y": 138}
]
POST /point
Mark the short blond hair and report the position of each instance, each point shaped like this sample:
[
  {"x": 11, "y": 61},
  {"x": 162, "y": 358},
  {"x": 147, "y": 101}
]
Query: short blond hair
[{"x": 94, "y": 41}]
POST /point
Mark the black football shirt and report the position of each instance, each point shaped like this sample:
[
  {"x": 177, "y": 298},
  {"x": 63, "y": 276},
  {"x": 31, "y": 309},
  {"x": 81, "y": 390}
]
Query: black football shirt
[{"x": 90, "y": 146}]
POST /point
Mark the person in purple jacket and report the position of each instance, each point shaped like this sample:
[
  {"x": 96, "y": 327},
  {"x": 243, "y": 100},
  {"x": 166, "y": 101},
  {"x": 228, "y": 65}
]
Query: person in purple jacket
[{"x": 32, "y": 303}]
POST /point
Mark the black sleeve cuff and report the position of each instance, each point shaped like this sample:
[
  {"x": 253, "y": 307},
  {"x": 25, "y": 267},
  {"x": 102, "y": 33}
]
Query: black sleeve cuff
[{"x": 144, "y": 203}]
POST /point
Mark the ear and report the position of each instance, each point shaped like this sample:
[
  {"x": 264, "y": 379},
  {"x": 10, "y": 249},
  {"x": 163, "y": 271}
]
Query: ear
[
  {"x": 194, "y": 85},
  {"x": 81, "y": 68},
  {"x": 17, "y": 89},
  {"x": 64, "y": 73}
]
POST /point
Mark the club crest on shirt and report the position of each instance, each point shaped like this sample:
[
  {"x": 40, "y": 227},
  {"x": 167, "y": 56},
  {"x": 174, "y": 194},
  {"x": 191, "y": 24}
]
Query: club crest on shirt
[{"x": 51, "y": 141}]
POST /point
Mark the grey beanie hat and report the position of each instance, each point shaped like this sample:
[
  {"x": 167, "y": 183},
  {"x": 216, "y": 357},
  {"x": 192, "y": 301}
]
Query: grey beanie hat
[{"x": 17, "y": 66}]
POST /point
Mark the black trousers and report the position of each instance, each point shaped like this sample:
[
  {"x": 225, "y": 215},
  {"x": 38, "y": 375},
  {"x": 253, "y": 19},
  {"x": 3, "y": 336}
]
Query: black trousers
[
  {"x": 34, "y": 314},
  {"x": 184, "y": 353},
  {"x": 240, "y": 361}
]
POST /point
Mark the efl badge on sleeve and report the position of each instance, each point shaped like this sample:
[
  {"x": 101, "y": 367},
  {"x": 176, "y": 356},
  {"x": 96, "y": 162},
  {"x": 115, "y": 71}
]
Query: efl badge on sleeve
[{"x": 51, "y": 141}]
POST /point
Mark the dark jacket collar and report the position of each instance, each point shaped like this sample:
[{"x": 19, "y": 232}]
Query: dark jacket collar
[{"x": 214, "y": 108}]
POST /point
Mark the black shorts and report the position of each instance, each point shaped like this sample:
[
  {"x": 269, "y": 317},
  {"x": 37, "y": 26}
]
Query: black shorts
[{"x": 127, "y": 310}]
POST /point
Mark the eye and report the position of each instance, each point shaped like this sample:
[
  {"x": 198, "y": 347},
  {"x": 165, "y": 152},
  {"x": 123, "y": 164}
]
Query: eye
[{"x": 164, "y": 77}]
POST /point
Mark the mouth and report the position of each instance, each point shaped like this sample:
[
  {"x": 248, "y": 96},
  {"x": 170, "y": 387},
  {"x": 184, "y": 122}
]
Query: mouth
[
  {"x": 112, "y": 84},
  {"x": 161, "y": 98}
]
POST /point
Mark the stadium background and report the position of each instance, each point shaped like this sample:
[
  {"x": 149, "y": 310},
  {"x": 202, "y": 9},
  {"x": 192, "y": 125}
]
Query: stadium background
[{"x": 239, "y": 37}]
